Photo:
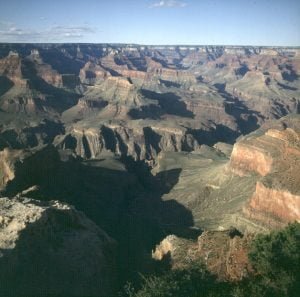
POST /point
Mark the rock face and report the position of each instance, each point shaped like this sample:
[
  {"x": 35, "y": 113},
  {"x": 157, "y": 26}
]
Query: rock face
[
  {"x": 11, "y": 67},
  {"x": 50, "y": 247},
  {"x": 8, "y": 159},
  {"x": 92, "y": 74},
  {"x": 225, "y": 253},
  {"x": 138, "y": 141},
  {"x": 275, "y": 156},
  {"x": 263, "y": 153},
  {"x": 273, "y": 206},
  {"x": 45, "y": 71},
  {"x": 36, "y": 135},
  {"x": 250, "y": 159}
]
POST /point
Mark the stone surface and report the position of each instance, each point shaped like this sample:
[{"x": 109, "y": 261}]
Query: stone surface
[
  {"x": 52, "y": 248},
  {"x": 225, "y": 253},
  {"x": 273, "y": 206}
]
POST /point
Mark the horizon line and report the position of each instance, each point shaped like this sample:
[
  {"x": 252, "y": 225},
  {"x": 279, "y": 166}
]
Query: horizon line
[{"x": 145, "y": 45}]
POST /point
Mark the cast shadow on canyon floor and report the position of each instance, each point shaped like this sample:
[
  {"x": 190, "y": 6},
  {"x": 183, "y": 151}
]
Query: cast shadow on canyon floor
[
  {"x": 246, "y": 118},
  {"x": 169, "y": 102},
  {"x": 59, "y": 99},
  {"x": 127, "y": 204}
]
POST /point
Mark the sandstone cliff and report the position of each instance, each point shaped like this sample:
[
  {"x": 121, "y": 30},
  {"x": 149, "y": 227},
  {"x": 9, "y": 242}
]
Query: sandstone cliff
[
  {"x": 275, "y": 156},
  {"x": 138, "y": 140}
]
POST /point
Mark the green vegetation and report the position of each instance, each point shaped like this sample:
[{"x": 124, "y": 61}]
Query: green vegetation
[
  {"x": 275, "y": 258},
  {"x": 193, "y": 281},
  {"x": 1, "y": 176}
]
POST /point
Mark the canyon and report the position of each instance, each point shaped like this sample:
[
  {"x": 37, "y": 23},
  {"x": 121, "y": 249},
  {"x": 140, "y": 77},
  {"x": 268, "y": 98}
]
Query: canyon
[{"x": 127, "y": 153}]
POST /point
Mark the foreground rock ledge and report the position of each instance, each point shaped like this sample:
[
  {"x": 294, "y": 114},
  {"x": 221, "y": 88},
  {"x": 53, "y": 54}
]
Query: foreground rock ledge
[{"x": 49, "y": 248}]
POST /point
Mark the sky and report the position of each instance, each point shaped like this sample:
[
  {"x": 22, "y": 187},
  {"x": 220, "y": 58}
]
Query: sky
[{"x": 190, "y": 22}]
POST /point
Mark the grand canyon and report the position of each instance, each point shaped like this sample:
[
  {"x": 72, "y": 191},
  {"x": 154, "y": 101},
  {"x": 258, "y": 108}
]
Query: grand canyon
[{"x": 118, "y": 159}]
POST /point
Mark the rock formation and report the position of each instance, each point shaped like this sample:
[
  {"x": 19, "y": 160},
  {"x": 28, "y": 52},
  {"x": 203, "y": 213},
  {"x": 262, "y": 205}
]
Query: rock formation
[
  {"x": 256, "y": 189},
  {"x": 275, "y": 156},
  {"x": 223, "y": 252},
  {"x": 50, "y": 247},
  {"x": 155, "y": 138},
  {"x": 140, "y": 141},
  {"x": 92, "y": 74}
]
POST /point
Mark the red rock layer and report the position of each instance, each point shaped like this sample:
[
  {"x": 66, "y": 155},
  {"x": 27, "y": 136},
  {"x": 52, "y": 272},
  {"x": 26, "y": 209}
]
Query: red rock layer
[{"x": 269, "y": 205}]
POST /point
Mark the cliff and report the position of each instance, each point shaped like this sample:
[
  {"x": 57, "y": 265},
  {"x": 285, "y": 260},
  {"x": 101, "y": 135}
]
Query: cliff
[
  {"x": 273, "y": 207},
  {"x": 7, "y": 161},
  {"x": 138, "y": 140},
  {"x": 10, "y": 66},
  {"x": 92, "y": 74},
  {"x": 256, "y": 189},
  {"x": 45, "y": 71},
  {"x": 274, "y": 155}
]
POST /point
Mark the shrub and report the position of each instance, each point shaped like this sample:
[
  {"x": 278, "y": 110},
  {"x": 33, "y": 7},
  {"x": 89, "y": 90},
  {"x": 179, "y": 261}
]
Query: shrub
[
  {"x": 193, "y": 281},
  {"x": 276, "y": 259}
]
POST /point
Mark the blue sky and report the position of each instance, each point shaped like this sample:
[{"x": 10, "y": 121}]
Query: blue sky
[{"x": 228, "y": 22}]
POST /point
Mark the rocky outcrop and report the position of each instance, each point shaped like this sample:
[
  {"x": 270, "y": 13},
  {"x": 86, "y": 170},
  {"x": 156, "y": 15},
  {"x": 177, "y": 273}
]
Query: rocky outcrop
[
  {"x": 225, "y": 253},
  {"x": 119, "y": 92},
  {"x": 108, "y": 62},
  {"x": 274, "y": 155},
  {"x": 10, "y": 66},
  {"x": 273, "y": 207},
  {"x": 92, "y": 74},
  {"x": 21, "y": 104},
  {"x": 8, "y": 158},
  {"x": 50, "y": 247},
  {"x": 134, "y": 74},
  {"x": 30, "y": 135},
  {"x": 165, "y": 248},
  {"x": 249, "y": 159},
  {"x": 261, "y": 154},
  {"x": 45, "y": 71},
  {"x": 172, "y": 75},
  {"x": 50, "y": 76},
  {"x": 138, "y": 141}
]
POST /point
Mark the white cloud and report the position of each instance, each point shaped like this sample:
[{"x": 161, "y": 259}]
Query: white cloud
[
  {"x": 168, "y": 3},
  {"x": 9, "y": 32},
  {"x": 71, "y": 31}
]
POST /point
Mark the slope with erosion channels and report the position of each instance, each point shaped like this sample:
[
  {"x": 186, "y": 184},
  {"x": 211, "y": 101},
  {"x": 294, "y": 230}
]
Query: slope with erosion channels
[{"x": 137, "y": 137}]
